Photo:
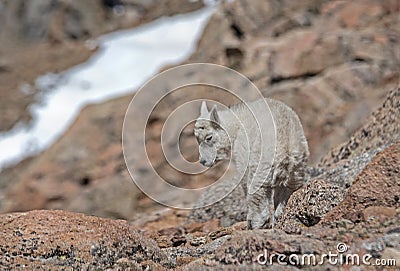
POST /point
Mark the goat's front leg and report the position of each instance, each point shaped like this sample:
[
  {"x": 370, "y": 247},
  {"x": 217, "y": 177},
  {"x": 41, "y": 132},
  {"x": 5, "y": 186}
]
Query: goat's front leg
[{"x": 259, "y": 215}]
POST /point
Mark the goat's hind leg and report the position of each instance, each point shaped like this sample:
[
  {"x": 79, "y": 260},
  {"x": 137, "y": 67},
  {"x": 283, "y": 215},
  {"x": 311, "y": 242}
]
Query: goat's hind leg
[{"x": 280, "y": 197}]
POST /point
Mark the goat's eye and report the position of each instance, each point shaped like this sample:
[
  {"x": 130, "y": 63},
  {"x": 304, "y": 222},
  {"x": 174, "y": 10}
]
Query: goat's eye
[{"x": 208, "y": 138}]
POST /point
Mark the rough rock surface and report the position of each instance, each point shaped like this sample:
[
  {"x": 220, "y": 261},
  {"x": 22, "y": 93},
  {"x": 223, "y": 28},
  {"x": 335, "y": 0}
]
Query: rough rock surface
[
  {"x": 377, "y": 185},
  {"x": 332, "y": 61},
  {"x": 332, "y": 104},
  {"x": 60, "y": 240},
  {"x": 319, "y": 199},
  {"x": 311, "y": 203},
  {"x": 382, "y": 128}
]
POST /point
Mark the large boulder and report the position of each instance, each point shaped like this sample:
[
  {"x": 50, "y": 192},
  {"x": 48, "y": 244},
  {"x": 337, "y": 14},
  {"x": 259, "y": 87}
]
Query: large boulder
[
  {"x": 332, "y": 98},
  {"x": 377, "y": 185},
  {"x": 60, "y": 240},
  {"x": 345, "y": 175}
]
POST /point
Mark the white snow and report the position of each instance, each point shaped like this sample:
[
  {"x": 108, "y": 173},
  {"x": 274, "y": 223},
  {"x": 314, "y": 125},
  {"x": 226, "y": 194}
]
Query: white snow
[{"x": 125, "y": 60}]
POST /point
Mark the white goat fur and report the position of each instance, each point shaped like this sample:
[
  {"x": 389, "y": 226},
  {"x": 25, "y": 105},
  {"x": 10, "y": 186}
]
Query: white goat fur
[{"x": 280, "y": 178}]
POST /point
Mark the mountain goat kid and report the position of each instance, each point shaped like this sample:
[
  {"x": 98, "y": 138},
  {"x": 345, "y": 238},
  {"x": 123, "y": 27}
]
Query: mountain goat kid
[{"x": 277, "y": 165}]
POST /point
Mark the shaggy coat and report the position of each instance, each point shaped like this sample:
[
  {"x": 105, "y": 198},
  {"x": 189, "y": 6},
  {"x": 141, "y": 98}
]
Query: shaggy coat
[{"x": 268, "y": 146}]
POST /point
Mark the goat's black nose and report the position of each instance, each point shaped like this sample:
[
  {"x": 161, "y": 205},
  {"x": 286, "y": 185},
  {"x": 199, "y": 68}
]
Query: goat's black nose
[{"x": 203, "y": 162}]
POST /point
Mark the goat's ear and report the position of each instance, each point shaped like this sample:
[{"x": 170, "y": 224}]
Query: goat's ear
[
  {"x": 214, "y": 115},
  {"x": 203, "y": 110}
]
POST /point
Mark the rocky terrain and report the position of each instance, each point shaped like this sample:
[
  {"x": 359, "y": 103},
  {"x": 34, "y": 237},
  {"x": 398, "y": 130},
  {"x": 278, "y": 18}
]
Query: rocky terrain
[{"x": 336, "y": 63}]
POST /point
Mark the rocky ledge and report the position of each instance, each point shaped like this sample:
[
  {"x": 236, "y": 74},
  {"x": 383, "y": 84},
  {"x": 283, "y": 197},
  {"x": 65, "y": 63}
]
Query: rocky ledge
[
  {"x": 353, "y": 202},
  {"x": 334, "y": 62}
]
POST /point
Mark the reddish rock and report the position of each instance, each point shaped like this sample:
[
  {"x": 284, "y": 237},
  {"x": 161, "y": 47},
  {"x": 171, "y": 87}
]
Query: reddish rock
[
  {"x": 381, "y": 129},
  {"x": 377, "y": 185},
  {"x": 244, "y": 247},
  {"x": 165, "y": 218},
  {"x": 316, "y": 199},
  {"x": 332, "y": 68},
  {"x": 353, "y": 15},
  {"x": 305, "y": 53},
  {"x": 208, "y": 226},
  {"x": 59, "y": 239},
  {"x": 308, "y": 205},
  {"x": 379, "y": 212},
  {"x": 62, "y": 240},
  {"x": 333, "y": 98},
  {"x": 72, "y": 176}
]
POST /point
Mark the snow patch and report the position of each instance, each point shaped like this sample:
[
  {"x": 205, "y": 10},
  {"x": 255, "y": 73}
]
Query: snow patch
[{"x": 125, "y": 60}]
